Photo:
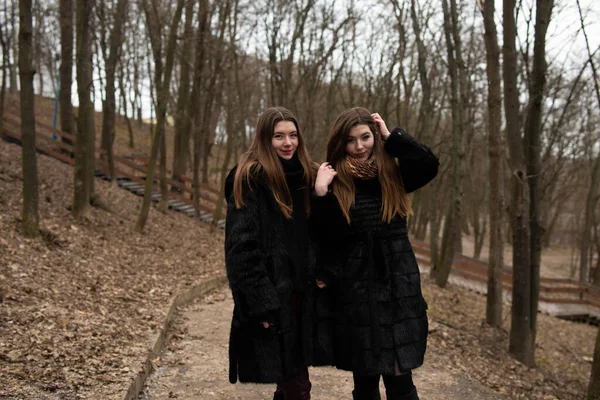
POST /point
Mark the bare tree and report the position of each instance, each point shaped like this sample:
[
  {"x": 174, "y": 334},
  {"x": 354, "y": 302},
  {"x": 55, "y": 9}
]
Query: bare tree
[
  {"x": 496, "y": 155},
  {"x": 592, "y": 196},
  {"x": 526, "y": 166},
  {"x": 66, "y": 65},
  {"x": 109, "y": 108},
  {"x": 594, "y": 387},
  {"x": 181, "y": 139},
  {"x": 195, "y": 98},
  {"x": 162, "y": 85},
  {"x": 13, "y": 43},
  {"x": 452, "y": 224},
  {"x": 85, "y": 139},
  {"x": 5, "y": 45},
  {"x": 30, "y": 215},
  {"x": 424, "y": 125}
]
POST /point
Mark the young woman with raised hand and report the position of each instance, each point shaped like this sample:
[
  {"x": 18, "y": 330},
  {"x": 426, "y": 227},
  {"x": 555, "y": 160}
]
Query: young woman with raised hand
[
  {"x": 269, "y": 268},
  {"x": 361, "y": 202}
]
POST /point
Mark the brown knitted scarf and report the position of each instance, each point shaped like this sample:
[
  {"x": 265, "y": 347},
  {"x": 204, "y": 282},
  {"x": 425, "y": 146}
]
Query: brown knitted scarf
[{"x": 362, "y": 169}]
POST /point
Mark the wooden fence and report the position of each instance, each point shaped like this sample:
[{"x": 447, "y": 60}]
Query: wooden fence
[{"x": 558, "y": 297}]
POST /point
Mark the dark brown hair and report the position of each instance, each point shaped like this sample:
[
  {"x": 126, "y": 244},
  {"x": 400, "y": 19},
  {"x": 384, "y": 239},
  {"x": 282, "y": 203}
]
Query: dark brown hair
[
  {"x": 261, "y": 156},
  {"x": 394, "y": 197}
]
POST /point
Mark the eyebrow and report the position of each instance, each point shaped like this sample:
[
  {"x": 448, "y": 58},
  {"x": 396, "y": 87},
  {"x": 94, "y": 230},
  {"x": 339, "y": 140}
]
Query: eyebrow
[
  {"x": 360, "y": 134},
  {"x": 283, "y": 133}
]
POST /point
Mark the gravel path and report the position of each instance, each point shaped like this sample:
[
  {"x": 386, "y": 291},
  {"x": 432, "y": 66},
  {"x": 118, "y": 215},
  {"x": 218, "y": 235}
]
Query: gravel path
[{"x": 195, "y": 365}]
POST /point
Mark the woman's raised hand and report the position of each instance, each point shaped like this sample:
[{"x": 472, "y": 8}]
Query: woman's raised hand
[
  {"x": 325, "y": 176},
  {"x": 381, "y": 125}
]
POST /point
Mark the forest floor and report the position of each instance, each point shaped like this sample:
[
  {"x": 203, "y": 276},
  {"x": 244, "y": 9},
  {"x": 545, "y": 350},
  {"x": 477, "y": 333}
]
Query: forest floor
[{"x": 81, "y": 306}]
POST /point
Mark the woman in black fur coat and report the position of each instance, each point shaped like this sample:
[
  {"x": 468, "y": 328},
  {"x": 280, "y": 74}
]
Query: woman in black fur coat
[
  {"x": 361, "y": 201},
  {"x": 268, "y": 259}
]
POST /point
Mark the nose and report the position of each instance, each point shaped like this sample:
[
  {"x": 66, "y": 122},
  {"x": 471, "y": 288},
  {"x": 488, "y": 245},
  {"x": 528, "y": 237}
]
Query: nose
[
  {"x": 359, "y": 145},
  {"x": 287, "y": 141}
]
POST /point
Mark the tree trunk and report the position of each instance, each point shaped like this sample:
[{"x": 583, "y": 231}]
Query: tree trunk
[
  {"x": 526, "y": 167},
  {"x": 480, "y": 227},
  {"x": 163, "y": 97},
  {"x": 125, "y": 115},
  {"x": 108, "y": 113},
  {"x": 592, "y": 196},
  {"x": 451, "y": 238},
  {"x": 5, "y": 61},
  {"x": 425, "y": 120},
  {"x": 84, "y": 142},
  {"x": 13, "y": 44},
  {"x": 164, "y": 187},
  {"x": 212, "y": 99},
  {"x": 533, "y": 146},
  {"x": 195, "y": 103},
  {"x": 594, "y": 388},
  {"x": 235, "y": 122},
  {"x": 66, "y": 67},
  {"x": 182, "y": 119},
  {"x": 30, "y": 222},
  {"x": 496, "y": 170},
  {"x": 520, "y": 335},
  {"x": 590, "y": 206}
]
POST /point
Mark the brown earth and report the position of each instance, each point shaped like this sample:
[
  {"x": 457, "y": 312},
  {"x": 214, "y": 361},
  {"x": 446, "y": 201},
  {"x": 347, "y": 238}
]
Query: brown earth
[
  {"x": 195, "y": 366},
  {"x": 465, "y": 358},
  {"x": 82, "y": 303}
]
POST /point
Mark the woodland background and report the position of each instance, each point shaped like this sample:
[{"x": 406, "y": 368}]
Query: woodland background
[{"x": 506, "y": 93}]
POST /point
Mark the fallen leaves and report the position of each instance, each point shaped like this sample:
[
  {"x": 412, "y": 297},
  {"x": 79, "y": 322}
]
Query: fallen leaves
[{"x": 80, "y": 306}]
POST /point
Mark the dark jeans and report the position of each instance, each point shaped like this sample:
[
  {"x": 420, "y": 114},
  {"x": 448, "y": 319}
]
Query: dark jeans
[{"x": 295, "y": 388}]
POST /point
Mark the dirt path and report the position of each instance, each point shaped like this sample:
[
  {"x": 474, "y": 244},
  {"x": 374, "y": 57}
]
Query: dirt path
[{"x": 195, "y": 365}]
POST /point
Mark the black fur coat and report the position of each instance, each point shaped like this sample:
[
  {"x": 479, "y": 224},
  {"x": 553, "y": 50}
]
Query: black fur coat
[
  {"x": 259, "y": 266},
  {"x": 380, "y": 317}
]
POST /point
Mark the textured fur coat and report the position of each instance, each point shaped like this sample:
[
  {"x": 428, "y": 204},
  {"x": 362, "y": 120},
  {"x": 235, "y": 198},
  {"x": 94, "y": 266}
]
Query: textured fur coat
[
  {"x": 258, "y": 266},
  {"x": 380, "y": 318}
]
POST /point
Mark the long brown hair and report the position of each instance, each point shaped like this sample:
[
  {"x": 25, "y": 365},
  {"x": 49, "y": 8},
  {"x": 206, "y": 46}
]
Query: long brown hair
[
  {"x": 394, "y": 197},
  {"x": 262, "y": 157}
]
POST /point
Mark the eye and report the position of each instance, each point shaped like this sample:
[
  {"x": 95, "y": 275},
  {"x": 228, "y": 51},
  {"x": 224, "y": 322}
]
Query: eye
[
  {"x": 278, "y": 136},
  {"x": 366, "y": 137},
  {"x": 351, "y": 140},
  {"x": 294, "y": 135}
]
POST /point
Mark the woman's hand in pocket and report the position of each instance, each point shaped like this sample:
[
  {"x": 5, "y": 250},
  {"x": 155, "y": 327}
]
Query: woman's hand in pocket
[{"x": 321, "y": 284}]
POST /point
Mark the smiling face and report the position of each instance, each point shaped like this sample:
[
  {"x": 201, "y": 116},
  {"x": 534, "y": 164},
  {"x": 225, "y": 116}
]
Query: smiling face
[
  {"x": 285, "y": 139},
  {"x": 360, "y": 142}
]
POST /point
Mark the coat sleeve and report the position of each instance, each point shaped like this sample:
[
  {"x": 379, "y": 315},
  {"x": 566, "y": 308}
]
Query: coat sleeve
[
  {"x": 253, "y": 292},
  {"x": 418, "y": 164},
  {"x": 325, "y": 217}
]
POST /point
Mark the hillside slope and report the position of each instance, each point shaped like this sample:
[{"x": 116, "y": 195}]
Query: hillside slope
[{"x": 82, "y": 303}]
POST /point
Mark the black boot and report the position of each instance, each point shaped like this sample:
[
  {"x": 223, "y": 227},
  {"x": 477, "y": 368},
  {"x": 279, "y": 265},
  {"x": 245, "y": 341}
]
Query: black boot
[
  {"x": 279, "y": 394},
  {"x": 366, "y": 394},
  {"x": 411, "y": 396},
  {"x": 296, "y": 388}
]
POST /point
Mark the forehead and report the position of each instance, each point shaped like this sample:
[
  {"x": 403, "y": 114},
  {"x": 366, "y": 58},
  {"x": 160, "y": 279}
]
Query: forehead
[
  {"x": 284, "y": 127},
  {"x": 359, "y": 130}
]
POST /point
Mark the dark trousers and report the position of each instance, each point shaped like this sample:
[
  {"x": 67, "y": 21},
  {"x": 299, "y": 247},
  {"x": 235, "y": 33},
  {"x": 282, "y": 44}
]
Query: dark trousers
[
  {"x": 295, "y": 388},
  {"x": 396, "y": 387}
]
